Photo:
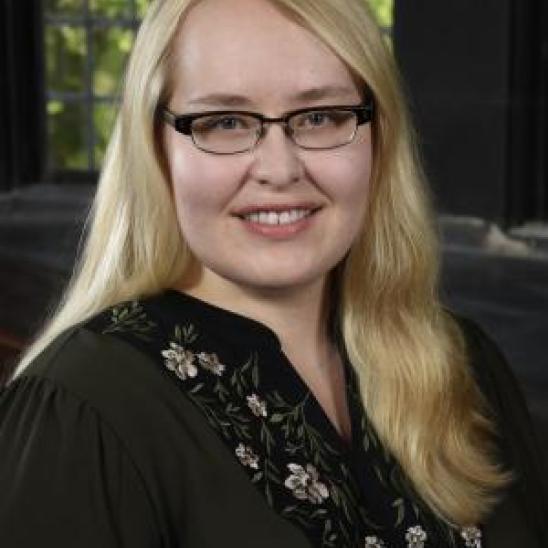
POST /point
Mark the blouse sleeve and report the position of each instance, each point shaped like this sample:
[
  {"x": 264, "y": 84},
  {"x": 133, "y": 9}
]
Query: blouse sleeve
[
  {"x": 65, "y": 478},
  {"x": 518, "y": 440}
]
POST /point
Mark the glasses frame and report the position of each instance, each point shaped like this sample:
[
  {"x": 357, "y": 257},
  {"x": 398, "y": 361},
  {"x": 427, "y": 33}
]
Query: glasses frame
[{"x": 182, "y": 123}]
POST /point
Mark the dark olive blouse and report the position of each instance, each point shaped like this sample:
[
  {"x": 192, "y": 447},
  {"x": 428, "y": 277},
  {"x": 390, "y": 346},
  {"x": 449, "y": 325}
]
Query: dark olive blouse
[{"x": 169, "y": 422}]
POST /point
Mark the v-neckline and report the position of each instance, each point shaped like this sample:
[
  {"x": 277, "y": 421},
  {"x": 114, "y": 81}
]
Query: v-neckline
[
  {"x": 233, "y": 369},
  {"x": 237, "y": 324}
]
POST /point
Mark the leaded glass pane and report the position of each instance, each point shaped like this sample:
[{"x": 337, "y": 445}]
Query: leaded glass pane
[
  {"x": 141, "y": 7},
  {"x": 384, "y": 11},
  {"x": 66, "y": 59},
  {"x": 104, "y": 115},
  {"x": 63, "y": 7},
  {"x": 67, "y": 136},
  {"x": 110, "y": 8},
  {"x": 111, "y": 47}
]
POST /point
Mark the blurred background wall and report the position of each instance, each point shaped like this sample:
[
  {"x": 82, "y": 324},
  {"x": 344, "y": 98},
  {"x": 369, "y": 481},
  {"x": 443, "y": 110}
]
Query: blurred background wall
[{"x": 475, "y": 73}]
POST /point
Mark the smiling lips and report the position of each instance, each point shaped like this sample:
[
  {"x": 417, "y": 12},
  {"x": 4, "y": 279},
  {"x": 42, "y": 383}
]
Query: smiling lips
[{"x": 274, "y": 215}]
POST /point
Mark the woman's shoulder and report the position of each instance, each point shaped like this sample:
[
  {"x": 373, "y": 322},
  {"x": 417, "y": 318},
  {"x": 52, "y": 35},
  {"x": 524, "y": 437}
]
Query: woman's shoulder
[
  {"x": 81, "y": 356},
  {"x": 92, "y": 364},
  {"x": 517, "y": 439},
  {"x": 495, "y": 379},
  {"x": 489, "y": 365}
]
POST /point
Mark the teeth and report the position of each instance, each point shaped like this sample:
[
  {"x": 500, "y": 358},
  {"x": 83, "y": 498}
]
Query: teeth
[{"x": 277, "y": 217}]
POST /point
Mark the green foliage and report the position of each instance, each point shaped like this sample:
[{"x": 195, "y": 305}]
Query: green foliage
[
  {"x": 383, "y": 9},
  {"x": 63, "y": 7},
  {"x": 66, "y": 71}
]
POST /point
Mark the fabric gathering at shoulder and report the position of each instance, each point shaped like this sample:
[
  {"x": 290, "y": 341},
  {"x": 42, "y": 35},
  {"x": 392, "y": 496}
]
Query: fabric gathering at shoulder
[{"x": 66, "y": 479}]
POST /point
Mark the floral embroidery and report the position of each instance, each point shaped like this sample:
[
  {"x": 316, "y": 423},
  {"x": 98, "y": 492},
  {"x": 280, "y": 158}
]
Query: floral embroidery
[
  {"x": 471, "y": 536},
  {"x": 305, "y": 484},
  {"x": 322, "y": 496},
  {"x": 247, "y": 456},
  {"x": 129, "y": 317},
  {"x": 211, "y": 363},
  {"x": 180, "y": 361},
  {"x": 373, "y": 542},
  {"x": 415, "y": 537},
  {"x": 257, "y": 406}
]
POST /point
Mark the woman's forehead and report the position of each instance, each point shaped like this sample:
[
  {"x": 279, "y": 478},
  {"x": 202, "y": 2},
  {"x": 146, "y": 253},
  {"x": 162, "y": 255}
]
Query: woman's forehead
[{"x": 253, "y": 49}]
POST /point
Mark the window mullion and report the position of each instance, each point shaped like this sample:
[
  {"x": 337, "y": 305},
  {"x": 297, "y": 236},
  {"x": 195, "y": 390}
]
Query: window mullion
[{"x": 89, "y": 94}]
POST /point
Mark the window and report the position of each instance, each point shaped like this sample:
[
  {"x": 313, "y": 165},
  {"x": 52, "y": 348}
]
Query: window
[{"x": 87, "y": 43}]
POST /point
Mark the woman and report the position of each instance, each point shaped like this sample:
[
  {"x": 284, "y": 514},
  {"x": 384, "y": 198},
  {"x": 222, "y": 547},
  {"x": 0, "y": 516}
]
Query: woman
[{"x": 252, "y": 351}]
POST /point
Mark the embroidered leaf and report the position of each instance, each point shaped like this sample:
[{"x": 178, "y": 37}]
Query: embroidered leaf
[
  {"x": 415, "y": 510},
  {"x": 379, "y": 475},
  {"x": 247, "y": 364},
  {"x": 255, "y": 376},
  {"x": 130, "y": 318},
  {"x": 197, "y": 388},
  {"x": 188, "y": 334},
  {"x": 268, "y": 494},
  {"x": 123, "y": 314},
  {"x": 335, "y": 494},
  {"x": 400, "y": 507},
  {"x": 276, "y": 418},
  {"x": 318, "y": 512},
  {"x": 257, "y": 477},
  {"x": 344, "y": 470}
]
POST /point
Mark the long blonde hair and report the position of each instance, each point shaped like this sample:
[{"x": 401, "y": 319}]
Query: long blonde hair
[{"x": 408, "y": 352}]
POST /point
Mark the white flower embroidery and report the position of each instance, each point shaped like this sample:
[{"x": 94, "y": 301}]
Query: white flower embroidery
[
  {"x": 472, "y": 536},
  {"x": 415, "y": 537},
  {"x": 180, "y": 361},
  {"x": 257, "y": 406},
  {"x": 373, "y": 542},
  {"x": 247, "y": 456},
  {"x": 305, "y": 484},
  {"x": 211, "y": 363}
]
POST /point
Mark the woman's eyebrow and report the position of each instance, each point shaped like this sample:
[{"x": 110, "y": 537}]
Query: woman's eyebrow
[
  {"x": 325, "y": 92},
  {"x": 311, "y": 94}
]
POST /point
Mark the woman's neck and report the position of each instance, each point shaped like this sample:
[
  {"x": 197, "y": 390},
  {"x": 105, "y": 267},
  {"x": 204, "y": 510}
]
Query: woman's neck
[{"x": 298, "y": 316}]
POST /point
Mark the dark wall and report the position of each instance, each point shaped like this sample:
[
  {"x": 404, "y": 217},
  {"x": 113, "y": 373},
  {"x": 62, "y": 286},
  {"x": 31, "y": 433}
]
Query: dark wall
[
  {"x": 22, "y": 111},
  {"x": 476, "y": 76}
]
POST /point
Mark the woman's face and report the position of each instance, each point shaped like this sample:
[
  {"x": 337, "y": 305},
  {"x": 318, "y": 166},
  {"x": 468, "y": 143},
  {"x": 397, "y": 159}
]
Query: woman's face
[{"x": 246, "y": 48}]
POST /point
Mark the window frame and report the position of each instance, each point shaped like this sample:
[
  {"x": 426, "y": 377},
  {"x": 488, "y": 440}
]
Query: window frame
[{"x": 89, "y": 22}]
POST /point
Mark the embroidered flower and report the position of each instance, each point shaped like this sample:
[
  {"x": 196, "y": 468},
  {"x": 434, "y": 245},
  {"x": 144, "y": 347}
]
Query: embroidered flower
[
  {"x": 247, "y": 456},
  {"x": 373, "y": 542},
  {"x": 211, "y": 363},
  {"x": 180, "y": 361},
  {"x": 472, "y": 536},
  {"x": 415, "y": 537},
  {"x": 305, "y": 484},
  {"x": 257, "y": 406}
]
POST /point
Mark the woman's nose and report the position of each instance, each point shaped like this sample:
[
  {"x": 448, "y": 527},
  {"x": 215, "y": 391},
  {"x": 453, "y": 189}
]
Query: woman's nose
[{"x": 276, "y": 157}]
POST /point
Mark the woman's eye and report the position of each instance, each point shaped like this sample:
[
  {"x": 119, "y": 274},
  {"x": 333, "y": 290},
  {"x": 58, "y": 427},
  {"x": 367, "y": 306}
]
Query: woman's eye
[
  {"x": 317, "y": 118},
  {"x": 227, "y": 123}
]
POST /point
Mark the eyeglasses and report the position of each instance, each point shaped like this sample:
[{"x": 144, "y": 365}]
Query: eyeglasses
[{"x": 233, "y": 131}]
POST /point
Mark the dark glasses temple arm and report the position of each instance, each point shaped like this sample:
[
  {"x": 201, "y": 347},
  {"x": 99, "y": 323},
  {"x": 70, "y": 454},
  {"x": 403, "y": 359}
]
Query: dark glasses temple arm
[{"x": 181, "y": 123}]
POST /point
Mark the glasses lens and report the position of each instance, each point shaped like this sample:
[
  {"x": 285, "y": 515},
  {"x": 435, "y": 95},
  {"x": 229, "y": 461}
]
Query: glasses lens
[
  {"x": 225, "y": 133},
  {"x": 323, "y": 128}
]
